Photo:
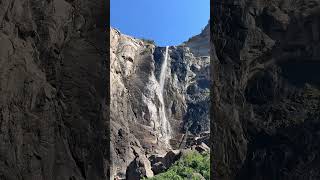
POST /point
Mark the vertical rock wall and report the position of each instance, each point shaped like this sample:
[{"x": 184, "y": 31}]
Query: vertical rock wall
[
  {"x": 135, "y": 104},
  {"x": 266, "y": 89},
  {"x": 52, "y": 90}
]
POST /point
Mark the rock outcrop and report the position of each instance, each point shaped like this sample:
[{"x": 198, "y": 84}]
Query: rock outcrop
[
  {"x": 139, "y": 168},
  {"x": 266, "y": 96},
  {"x": 161, "y": 163},
  {"x": 137, "y": 129},
  {"x": 53, "y": 90}
]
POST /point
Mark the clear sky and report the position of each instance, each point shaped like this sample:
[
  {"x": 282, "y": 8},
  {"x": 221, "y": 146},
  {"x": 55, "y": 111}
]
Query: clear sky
[{"x": 167, "y": 22}]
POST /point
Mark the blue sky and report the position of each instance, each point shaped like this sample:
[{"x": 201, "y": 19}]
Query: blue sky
[{"x": 167, "y": 22}]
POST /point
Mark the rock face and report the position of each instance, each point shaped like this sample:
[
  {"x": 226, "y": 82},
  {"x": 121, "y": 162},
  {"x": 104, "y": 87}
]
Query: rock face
[
  {"x": 266, "y": 95},
  {"x": 136, "y": 127},
  {"x": 163, "y": 162},
  {"x": 140, "y": 167},
  {"x": 53, "y": 90}
]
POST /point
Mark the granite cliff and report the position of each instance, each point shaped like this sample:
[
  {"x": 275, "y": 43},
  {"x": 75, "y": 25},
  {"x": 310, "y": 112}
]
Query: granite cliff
[
  {"x": 266, "y": 96},
  {"x": 53, "y": 90},
  {"x": 137, "y": 129}
]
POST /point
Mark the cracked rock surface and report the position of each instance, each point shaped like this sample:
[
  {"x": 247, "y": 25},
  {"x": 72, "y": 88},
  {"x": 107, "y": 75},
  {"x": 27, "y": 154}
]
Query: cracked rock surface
[
  {"x": 136, "y": 125},
  {"x": 266, "y": 96},
  {"x": 52, "y": 90}
]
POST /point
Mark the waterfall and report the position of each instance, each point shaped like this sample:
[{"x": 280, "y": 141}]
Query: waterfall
[
  {"x": 163, "y": 71},
  {"x": 165, "y": 125}
]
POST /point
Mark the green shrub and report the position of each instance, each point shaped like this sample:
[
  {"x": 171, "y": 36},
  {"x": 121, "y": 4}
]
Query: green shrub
[
  {"x": 186, "y": 168},
  {"x": 149, "y": 41}
]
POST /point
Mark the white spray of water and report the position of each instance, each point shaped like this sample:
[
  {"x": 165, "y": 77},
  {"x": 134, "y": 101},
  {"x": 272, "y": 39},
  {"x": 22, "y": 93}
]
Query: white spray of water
[
  {"x": 165, "y": 125},
  {"x": 163, "y": 70}
]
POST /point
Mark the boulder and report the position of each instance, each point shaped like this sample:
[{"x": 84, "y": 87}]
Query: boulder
[
  {"x": 139, "y": 168},
  {"x": 201, "y": 148},
  {"x": 162, "y": 163}
]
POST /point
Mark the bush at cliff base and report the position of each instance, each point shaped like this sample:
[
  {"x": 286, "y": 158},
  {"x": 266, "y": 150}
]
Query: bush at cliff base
[{"x": 190, "y": 166}]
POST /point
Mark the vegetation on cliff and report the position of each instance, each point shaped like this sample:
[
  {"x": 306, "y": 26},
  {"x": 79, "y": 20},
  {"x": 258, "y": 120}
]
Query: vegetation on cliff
[{"x": 192, "y": 165}]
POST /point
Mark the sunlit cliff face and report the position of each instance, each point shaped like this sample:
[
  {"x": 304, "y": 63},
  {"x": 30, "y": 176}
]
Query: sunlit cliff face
[{"x": 151, "y": 104}]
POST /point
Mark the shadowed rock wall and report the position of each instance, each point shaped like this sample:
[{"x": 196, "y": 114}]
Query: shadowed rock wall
[
  {"x": 266, "y": 89},
  {"x": 53, "y": 90}
]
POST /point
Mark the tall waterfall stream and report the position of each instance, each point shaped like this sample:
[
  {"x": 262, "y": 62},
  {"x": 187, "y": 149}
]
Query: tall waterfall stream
[{"x": 165, "y": 124}]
